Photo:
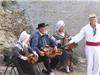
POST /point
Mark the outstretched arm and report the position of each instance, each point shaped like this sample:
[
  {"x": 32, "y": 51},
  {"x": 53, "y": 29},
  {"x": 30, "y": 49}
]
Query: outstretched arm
[{"x": 78, "y": 37}]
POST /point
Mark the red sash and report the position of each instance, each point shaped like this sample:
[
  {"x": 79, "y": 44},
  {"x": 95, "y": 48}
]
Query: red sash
[{"x": 92, "y": 43}]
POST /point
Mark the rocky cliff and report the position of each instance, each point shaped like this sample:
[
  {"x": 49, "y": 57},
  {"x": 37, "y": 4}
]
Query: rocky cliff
[{"x": 12, "y": 22}]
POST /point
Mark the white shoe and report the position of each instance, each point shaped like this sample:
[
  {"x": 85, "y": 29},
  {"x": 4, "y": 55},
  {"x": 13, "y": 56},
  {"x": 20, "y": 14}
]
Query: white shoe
[
  {"x": 67, "y": 69},
  {"x": 51, "y": 73}
]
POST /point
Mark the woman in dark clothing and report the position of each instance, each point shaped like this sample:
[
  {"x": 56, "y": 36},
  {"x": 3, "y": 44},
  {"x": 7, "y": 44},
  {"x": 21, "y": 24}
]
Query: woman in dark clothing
[
  {"x": 58, "y": 37},
  {"x": 19, "y": 59}
]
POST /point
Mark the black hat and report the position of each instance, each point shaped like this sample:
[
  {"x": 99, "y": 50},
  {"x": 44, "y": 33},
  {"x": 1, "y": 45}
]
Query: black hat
[{"x": 41, "y": 25}]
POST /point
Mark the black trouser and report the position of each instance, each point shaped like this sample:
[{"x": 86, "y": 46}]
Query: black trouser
[
  {"x": 55, "y": 61},
  {"x": 63, "y": 58},
  {"x": 23, "y": 67},
  {"x": 46, "y": 62}
]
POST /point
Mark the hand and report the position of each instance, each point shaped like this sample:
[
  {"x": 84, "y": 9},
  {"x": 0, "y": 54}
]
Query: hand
[
  {"x": 67, "y": 44},
  {"x": 55, "y": 48},
  {"x": 70, "y": 42},
  {"x": 41, "y": 53},
  {"x": 58, "y": 41},
  {"x": 34, "y": 52},
  {"x": 70, "y": 37},
  {"x": 24, "y": 58}
]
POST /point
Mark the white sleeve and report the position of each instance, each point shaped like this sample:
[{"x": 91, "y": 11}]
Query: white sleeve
[
  {"x": 54, "y": 39},
  {"x": 79, "y": 36},
  {"x": 35, "y": 53}
]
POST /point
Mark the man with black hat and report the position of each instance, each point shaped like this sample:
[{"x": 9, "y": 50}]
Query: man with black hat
[{"x": 41, "y": 39}]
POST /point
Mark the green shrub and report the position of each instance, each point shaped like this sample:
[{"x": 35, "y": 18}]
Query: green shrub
[
  {"x": 75, "y": 56},
  {"x": 7, "y": 53}
]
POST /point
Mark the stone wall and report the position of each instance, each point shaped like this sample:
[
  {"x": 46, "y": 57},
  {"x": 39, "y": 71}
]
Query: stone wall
[{"x": 12, "y": 22}]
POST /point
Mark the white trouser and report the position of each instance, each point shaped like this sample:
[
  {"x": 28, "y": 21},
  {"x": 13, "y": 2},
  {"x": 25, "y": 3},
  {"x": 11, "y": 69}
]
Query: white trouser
[{"x": 93, "y": 60}]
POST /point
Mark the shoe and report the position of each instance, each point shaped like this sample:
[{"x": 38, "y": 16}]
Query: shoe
[
  {"x": 44, "y": 71},
  {"x": 51, "y": 73},
  {"x": 67, "y": 69},
  {"x": 71, "y": 69}
]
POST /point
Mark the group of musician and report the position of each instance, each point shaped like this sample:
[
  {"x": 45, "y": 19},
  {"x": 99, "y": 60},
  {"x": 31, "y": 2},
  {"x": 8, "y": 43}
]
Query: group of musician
[
  {"x": 41, "y": 41},
  {"x": 34, "y": 44}
]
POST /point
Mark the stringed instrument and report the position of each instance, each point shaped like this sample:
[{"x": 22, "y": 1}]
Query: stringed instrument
[
  {"x": 28, "y": 52},
  {"x": 66, "y": 40},
  {"x": 50, "y": 52},
  {"x": 32, "y": 58}
]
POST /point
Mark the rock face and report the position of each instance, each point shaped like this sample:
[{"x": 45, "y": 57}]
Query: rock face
[{"x": 12, "y": 22}]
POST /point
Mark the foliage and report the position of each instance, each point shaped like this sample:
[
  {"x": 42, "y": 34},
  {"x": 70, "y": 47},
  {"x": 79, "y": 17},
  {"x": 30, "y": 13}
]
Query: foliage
[
  {"x": 75, "y": 56},
  {"x": 7, "y": 53}
]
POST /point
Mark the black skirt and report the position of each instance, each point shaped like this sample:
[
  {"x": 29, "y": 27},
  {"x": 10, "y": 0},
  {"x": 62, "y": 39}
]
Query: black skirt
[{"x": 22, "y": 66}]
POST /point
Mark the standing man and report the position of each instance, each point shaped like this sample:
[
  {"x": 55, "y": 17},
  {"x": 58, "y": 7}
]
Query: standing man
[
  {"x": 91, "y": 33},
  {"x": 41, "y": 39}
]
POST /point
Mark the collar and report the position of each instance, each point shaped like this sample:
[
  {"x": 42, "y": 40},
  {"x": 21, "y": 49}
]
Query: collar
[
  {"x": 92, "y": 27},
  {"x": 61, "y": 34},
  {"x": 41, "y": 33}
]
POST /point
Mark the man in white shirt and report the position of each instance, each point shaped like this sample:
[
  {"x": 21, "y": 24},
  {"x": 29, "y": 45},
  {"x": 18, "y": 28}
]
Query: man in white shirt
[{"x": 91, "y": 33}]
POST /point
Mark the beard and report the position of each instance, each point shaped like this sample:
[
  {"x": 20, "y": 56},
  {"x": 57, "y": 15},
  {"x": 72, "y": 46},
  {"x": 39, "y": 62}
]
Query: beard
[{"x": 45, "y": 32}]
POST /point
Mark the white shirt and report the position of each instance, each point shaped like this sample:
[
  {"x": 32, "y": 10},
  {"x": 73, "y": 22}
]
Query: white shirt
[
  {"x": 41, "y": 33},
  {"x": 87, "y": 33}
]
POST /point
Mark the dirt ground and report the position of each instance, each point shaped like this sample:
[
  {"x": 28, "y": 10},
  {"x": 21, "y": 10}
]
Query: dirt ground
[{"x": 80, "y": 69}]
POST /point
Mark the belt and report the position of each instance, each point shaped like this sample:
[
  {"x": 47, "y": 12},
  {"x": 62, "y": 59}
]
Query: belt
[{"x": 92, "y": 43}]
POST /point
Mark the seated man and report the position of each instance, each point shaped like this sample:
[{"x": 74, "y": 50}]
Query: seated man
[{"x": 39, "y": 40}]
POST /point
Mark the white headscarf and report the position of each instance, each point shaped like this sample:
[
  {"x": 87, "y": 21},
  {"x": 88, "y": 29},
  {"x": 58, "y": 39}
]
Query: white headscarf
[
  {"x": 59, "y": 24},
  {"x": 22, "y": 38}
]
